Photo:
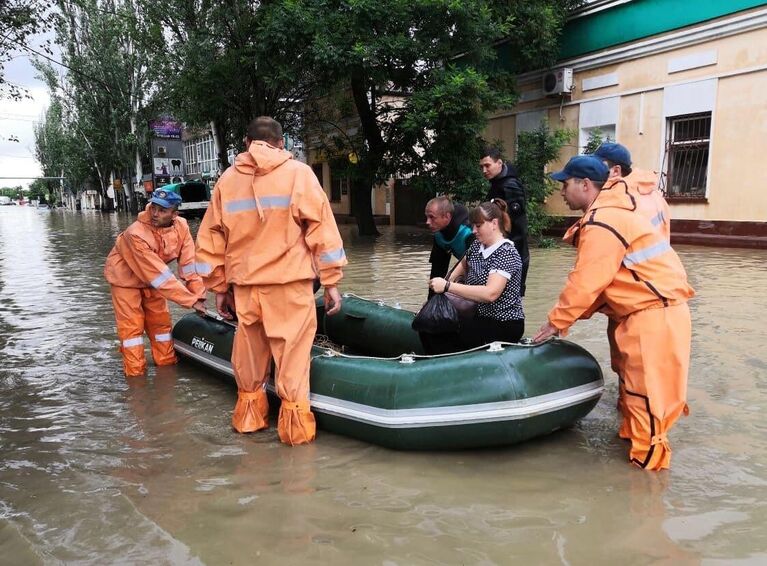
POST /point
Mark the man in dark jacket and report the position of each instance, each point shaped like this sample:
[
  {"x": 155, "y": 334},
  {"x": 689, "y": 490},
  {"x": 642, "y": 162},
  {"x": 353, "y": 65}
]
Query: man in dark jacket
[
  {"x": 449, "y": 223},
  {"x": 505, "y": 184}
]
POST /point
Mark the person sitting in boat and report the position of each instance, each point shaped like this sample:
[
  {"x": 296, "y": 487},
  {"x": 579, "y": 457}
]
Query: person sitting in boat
[
  {"x": 449, "y": 222},
  {"x": 492, "y": 269}
]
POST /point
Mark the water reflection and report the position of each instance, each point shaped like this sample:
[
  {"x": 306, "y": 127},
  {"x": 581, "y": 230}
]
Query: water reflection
[{"x": 95, "y": 468}]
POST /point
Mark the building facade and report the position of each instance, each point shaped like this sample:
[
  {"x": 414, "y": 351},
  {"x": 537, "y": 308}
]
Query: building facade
[{"x": 681, "y": 84}]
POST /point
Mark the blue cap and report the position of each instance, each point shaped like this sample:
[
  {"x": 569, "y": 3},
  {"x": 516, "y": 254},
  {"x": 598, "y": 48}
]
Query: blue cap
[
  {"x": 165, "y": 199},
  {"x": 583, "y": 167},
  {"x": 614, "y": 152}
]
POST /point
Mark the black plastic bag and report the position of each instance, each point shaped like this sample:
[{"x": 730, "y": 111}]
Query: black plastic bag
[{"x": 437, "y": 316}]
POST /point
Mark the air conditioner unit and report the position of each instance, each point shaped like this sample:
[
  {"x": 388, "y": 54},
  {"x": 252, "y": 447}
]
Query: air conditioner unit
[
  {"x": 162, "y": 150},
  {"x": 558, "y": 82}
]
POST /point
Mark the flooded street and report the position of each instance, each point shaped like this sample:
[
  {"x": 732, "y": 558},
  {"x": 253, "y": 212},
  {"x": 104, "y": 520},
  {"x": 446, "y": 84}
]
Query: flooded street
[{"x": 99, "y": 469}]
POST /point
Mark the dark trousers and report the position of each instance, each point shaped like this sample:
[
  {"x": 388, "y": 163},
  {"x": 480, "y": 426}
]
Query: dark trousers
[{"x": 474, "y": 332}]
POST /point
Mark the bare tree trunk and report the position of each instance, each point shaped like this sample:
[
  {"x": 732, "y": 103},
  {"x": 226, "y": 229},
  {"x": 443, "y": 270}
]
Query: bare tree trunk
[
  {"x": 220, "y": 146},
  {"x": 139, "y": 167},
  {"x": 362, "y": 205}
]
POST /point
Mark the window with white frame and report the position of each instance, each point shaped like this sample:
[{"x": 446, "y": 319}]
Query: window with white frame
[
  {"x": 597, "y": 117},
  {"x": 591, "y": 138},
  {"x": 201, "y": 155},
  {"x": 688, "y": 138}
]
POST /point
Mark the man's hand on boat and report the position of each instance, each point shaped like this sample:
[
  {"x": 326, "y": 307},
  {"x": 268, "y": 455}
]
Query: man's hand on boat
[
  {"x": 225, "y": 305},
  {"x": 546, "y": 331},
  {"x": 332, "y": 300},
  {"x": 199, "y": 306}
]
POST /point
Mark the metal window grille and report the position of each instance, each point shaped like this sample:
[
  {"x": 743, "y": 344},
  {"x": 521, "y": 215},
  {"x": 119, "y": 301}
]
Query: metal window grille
[{"x": 687, "y": 148}]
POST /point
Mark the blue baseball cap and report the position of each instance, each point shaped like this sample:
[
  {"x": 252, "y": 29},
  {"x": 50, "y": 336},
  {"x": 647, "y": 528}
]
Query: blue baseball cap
[
  {"x": 614, "y": 152},
  {"x": 583, "y": 167},
  {"x": 165, "y": 199}
]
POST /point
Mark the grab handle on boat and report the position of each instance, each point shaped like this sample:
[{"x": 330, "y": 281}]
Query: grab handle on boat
[
  {"x": 355, "y": 316},
  {"x": 215, "y": 316}
]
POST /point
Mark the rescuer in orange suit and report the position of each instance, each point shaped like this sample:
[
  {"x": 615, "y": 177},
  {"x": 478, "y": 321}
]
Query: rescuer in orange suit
[
  {"x": 624, "y": 262},
  {"x": 141, "y": 281},
  {"x": 269, "y": 231},
  {"x": 643, "y": 187}
]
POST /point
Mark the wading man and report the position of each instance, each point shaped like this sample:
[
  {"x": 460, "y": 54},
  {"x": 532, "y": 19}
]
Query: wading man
[
  {"x": 642, "y": 186},
  {"x": 624, "y": 263},
  {"x": 141, "y": 282},
  {"x": 268, "y": 233}
]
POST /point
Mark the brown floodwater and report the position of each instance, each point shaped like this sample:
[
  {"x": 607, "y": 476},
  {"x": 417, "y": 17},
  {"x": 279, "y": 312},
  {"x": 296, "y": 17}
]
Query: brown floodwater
[{"x": 98, "y": 469}]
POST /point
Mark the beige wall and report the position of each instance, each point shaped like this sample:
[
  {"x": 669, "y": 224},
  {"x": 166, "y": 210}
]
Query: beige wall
[{"x": 739, "y": 124}]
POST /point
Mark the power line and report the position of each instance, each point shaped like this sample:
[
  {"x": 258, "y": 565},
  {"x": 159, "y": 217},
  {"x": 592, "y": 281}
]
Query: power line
[{"x": 52, "y": 60}]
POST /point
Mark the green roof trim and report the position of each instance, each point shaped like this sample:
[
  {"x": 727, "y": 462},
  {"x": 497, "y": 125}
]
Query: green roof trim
[{"x": 639, "y": 19}]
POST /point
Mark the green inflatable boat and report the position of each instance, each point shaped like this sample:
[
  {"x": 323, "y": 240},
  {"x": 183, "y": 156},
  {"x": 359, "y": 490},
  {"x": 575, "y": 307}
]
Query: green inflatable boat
[{"x": 371, "y": 381}]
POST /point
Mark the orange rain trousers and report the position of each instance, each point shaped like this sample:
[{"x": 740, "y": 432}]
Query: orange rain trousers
[
  {"x": 654, "y": 359},
  {"x": 138, "y": 311},
  {"x": 275, "y": 321}
]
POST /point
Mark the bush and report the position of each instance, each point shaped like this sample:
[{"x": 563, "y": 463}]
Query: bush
[{"x": 535, "y": 150}]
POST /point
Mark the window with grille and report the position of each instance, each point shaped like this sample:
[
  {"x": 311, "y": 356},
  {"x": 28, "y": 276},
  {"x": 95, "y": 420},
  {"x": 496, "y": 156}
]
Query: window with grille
[
  {"x": 687, "y": 149},
  {"x": 200, "y": 155}
]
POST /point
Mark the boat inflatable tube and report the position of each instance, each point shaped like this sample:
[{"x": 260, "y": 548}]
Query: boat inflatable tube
[{"x": 381, "y": 388}]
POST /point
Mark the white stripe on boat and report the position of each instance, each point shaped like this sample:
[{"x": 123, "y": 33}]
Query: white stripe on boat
[{"x": 433, "y": 416}]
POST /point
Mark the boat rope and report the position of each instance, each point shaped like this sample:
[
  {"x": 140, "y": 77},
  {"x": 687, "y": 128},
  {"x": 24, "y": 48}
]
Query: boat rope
[
  {"x": 379, "y": 302},
  {"x": 411, "y": 357},
  {"x": 334, "y": 350}
]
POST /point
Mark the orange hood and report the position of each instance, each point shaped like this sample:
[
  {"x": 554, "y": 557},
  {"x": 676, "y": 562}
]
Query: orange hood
[
  {"x": 614, "y": 194},
  {"x": 260, "y": 159},
  {"x": 645, "y": 182}
]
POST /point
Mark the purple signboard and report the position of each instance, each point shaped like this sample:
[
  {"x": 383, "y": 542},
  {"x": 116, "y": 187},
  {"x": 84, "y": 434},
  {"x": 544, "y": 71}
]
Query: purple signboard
[{"x": 166, "y": 128}]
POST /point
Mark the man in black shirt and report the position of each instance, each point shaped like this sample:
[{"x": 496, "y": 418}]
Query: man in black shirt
[{"x": 505, "y": 184}]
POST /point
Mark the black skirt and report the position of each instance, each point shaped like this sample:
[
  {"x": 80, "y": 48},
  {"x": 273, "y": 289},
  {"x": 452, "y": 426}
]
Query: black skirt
[{"x": 474, "y": 332}]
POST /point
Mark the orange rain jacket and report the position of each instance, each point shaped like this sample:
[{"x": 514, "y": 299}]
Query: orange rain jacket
[
  {"x": 268, "y": 232},
  {"x": 627, "y": 268},
  {"x": 232, "y": 248},
  {"x": 140, "y": 256},
  {"x": 643, "y": 185},
  {"x": 623, "y": 263}
]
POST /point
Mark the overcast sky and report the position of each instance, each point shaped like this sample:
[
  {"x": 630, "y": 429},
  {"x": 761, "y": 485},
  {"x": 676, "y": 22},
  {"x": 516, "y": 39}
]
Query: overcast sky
[{"x": 17, "y": 120}]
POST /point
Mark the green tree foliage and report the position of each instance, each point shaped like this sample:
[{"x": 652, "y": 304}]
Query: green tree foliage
[
  {"x": 14, "y": 192},
  {"x": 99, "y": 128},
  {"x": 596, "y": 138},
  {"x": 535, "y": 150},
  {"x": 225, "y": 63},
  {"x": 43, "y": 191},
  {"x": 20, "y": 20},
  {"x": 422, "y": 79},
  {"x": 60, "y": 151}
]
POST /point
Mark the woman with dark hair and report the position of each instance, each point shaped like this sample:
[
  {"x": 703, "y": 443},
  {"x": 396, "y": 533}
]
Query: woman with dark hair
[{"x": 491, "y": 272}]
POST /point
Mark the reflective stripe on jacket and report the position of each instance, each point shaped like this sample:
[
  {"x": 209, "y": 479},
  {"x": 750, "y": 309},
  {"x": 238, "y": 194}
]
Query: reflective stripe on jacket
[
  {"x": 622, "y": 262},
  {"x": 140, "y": 256},
  {"x": 269, "y": 222}
]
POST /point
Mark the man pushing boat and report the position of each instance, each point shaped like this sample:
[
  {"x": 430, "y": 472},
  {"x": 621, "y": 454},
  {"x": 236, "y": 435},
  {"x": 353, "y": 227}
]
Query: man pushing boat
[
  {"x": 141, "y": 281},
  {"x": 625, "y": 263}
]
